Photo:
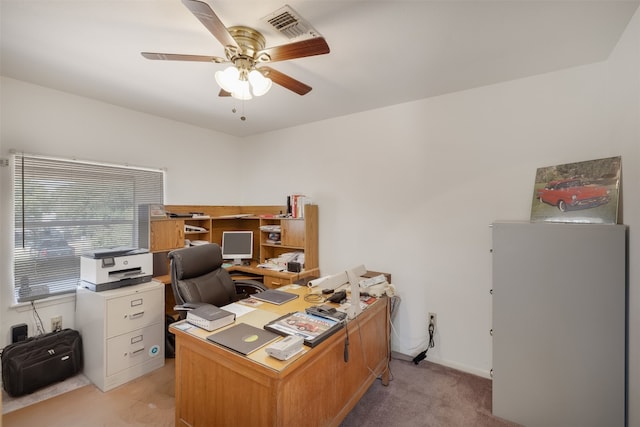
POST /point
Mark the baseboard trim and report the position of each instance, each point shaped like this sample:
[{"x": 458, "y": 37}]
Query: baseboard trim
[{"x": 448, "y": 364}]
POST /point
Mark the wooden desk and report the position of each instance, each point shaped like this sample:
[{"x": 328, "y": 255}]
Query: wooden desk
[
  {"x": 218, "y": 387},
  {"x": 274, "y": 279}
]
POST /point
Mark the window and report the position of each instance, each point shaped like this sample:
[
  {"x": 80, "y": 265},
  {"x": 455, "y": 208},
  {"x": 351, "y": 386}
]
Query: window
[{"x": 64, "y": 208}]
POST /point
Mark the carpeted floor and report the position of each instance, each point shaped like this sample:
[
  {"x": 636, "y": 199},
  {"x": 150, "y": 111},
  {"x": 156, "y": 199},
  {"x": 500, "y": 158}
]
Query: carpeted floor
[
  {"x": 13, "y": 403},
  {"x": 426, "y": 395}
]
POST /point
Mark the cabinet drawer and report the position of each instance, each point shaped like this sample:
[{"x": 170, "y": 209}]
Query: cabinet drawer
[
  {"x": 135, "y": 348},
  {"x": 275, "y": 281},
  {"x": 134, "y": 311}
]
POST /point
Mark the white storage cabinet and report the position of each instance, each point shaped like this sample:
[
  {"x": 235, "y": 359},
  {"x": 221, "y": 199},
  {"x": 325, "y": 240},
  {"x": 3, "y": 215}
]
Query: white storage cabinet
[
  {"x": 559, "y": 324},
  {"x": 122, "y": 332}
]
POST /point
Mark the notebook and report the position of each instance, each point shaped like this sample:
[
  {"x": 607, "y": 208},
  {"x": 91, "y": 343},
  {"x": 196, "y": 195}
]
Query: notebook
[
  {"x": 243, "y": 338},
  {"x": 274, "y": 296}
]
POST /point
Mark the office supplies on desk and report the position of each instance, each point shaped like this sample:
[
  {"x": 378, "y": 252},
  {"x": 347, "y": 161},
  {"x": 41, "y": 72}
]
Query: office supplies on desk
[
  {"x": 274, "y": 296},
  {"x": 338, "y": 297},
  {"x": 313, "y": 329},
  {"x": 326, "y": 311},
  {"x": 270, "y": 266},
  {"x": 375, "y": 280},
  {"x": 210, "y": 317},
  {"x": 242, "y": 338},
  {"x": 238, "y": 309},
  {"x": 285, "y": 349}
]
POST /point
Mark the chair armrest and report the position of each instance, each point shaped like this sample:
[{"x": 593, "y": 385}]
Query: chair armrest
[{"x": 244, "y": 288}]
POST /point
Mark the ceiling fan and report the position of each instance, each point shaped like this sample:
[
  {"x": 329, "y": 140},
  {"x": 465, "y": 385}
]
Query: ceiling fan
[{"x": 245, "y": 48}]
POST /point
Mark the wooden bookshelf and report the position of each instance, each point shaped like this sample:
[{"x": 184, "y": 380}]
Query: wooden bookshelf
[{"x": 297, "y": 235}]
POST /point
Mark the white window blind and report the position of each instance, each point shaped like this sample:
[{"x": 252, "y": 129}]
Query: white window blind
[{"x": 66, "y": 207}]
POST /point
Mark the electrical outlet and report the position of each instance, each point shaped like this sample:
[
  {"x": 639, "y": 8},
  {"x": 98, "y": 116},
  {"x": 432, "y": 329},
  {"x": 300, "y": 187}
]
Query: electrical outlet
[
  {"x": 56, "y": 323},
  {"x": 433, "y": 318}
]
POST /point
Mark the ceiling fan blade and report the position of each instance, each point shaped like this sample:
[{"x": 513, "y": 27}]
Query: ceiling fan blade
[
  {"x": 309, "y": 47},
  {"x": 285, "y": 81},
  {"x": 224, "y": 93},
  {"x": 181, "y": 57},
  {"x": 210, "y": 20}
]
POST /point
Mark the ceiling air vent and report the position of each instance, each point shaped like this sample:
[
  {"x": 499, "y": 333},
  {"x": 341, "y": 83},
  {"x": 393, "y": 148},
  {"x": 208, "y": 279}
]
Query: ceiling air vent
[{"x": 289, "y": 23}]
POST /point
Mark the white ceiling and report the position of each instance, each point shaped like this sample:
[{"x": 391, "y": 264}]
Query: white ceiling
[{"x": 382, "y": 52}]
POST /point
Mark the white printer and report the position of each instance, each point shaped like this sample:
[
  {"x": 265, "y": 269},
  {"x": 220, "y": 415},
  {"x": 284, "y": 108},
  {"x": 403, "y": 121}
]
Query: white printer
[{"x": 111, "y": 268}]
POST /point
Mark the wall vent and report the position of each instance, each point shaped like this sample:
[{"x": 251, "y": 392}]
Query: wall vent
[{"x": 289, "y": 23}]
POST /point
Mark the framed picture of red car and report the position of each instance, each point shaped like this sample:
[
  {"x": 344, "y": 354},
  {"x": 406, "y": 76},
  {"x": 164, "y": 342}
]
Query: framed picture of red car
[{"x": 581, "y": 192}]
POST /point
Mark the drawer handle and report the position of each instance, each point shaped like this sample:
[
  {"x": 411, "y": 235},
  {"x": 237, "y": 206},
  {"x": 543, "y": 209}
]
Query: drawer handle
[
  {"x": 138, "y": 351},
  {"x": 136, "y": 315}
]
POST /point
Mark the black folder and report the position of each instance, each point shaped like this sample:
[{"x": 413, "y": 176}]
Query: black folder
[{"x": 242, "y": 338}]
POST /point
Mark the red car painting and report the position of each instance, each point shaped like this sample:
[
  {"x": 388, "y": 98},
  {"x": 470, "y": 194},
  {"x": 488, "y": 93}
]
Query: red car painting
[{"x": 573, "y": 193}]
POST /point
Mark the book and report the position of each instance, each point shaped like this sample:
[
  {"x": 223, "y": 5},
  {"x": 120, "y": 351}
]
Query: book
[
  {"x": 274, "y": 296},
  {"x": 210, "y": 317},
  {"x": 314, "y": 329},
  {"x": 295, "y": 205},
  {"x": 243, "y": 338}
]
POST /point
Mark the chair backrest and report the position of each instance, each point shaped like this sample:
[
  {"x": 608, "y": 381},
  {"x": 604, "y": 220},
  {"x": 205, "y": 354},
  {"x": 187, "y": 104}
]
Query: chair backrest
[{"x": 197, "y": 276}]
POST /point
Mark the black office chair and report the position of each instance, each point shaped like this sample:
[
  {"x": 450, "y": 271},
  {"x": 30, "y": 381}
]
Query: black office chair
[{"x": 197, "y": 277}]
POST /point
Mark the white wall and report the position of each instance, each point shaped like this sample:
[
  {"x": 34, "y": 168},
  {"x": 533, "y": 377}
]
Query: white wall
[{"x": 410, "y": 189}]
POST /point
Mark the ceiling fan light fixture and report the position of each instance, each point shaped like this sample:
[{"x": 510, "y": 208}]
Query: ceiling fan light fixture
[
  {"x": 259, "y": 83},
  {"x": 242, "y": 91},
  {"x": 245, "y": 47},
  {"x": 228, "y": 79}
]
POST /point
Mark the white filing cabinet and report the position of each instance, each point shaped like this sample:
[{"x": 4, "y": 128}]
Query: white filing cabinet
[
  {"x": 122, "y": 332},
  {"x": 559, "y": 324}
]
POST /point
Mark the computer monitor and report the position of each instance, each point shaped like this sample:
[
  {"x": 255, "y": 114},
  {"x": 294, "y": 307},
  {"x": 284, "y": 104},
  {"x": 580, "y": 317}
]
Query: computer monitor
[{"x": 237, "y": 245}]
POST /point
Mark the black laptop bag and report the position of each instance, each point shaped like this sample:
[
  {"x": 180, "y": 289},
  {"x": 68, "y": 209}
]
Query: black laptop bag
[{"x": 39, "y": 361}]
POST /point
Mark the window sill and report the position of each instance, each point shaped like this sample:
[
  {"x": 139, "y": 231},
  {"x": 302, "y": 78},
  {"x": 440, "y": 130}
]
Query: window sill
[{"x": 45, "y": 302}]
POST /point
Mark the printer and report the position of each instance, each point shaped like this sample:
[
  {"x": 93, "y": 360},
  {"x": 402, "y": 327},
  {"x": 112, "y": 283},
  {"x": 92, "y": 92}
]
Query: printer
[{"x": 111, "y": 268}]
